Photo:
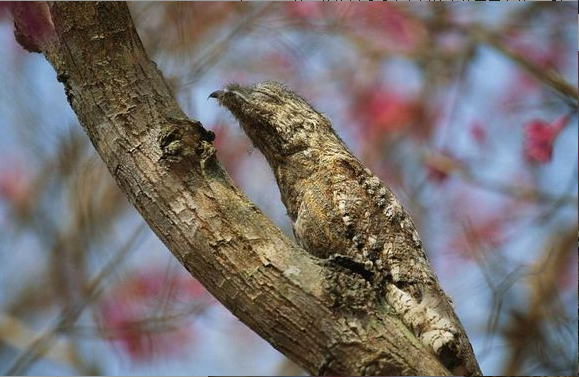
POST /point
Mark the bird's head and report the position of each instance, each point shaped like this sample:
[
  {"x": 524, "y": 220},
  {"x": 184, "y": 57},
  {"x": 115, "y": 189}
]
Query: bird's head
[{"x": 278, "y": 121}]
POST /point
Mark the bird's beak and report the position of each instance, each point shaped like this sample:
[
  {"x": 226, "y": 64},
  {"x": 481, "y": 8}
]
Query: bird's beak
[
  {"x": 217, "y": 94},
  {"x": 230, "y": 94}
]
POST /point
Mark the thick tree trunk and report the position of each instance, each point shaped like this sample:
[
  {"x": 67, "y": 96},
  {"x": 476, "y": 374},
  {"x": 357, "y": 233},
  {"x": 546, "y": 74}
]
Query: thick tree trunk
[{"x": 165, "y": 163}]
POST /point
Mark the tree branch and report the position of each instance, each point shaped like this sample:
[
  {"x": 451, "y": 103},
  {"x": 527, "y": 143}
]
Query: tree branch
[
  {"x": 548, "y": 76},
  {"x": 70, "y": 314},
  {"x": 165, "y": 163}
]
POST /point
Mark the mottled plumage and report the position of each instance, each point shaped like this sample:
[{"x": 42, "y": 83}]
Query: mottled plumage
[{"x": 339, "y": 209}]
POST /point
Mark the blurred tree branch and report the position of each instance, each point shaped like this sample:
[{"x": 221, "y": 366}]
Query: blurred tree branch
[
  {"x": 527, "y": 332},
  {"x": 66, "y": 244},
  {"x": 549, "y": 77},
  {"x": 69, "y": 314},
  {"x": 166, "y": 165},
  {"x": 17, "y": 334},
  {"x": 449, "y": 165}
]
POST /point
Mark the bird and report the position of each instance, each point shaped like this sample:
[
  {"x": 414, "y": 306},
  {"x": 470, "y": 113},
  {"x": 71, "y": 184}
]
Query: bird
[{"x": 341, "y": 212}]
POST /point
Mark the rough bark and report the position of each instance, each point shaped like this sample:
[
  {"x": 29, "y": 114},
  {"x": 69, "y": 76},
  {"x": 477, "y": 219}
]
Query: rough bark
[{"x": 165, "y": 163}]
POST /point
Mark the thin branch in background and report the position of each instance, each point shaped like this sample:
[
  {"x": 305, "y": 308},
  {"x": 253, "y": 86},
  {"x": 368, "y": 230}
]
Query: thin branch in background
[
  {"x": 526, "y": 330},
  {"x": 150, "y": 324},
  {"x": 72, "y": 312},
  {"x": 17, "y": 334},
  {"x": 547, "y": 76},
  {"x": 212, "y": 54},
  {"x": 449, "y": 165}
]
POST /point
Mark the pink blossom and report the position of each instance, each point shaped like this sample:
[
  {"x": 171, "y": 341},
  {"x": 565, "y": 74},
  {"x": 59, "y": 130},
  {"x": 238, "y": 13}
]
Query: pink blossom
[
  {"x": 16, "y": 188},
  {"x": 478, "y": 132},
  {"x": 126, "y": 314},
  {"x": 35, "y": 28},
  {"x": 304, "y": 10},
  {"x": 539, "y": 138},
  {"x": 383, "y": 110}
]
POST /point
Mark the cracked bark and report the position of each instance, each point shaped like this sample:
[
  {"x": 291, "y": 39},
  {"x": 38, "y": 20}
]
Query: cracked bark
[{"x": 166, "y": 165}]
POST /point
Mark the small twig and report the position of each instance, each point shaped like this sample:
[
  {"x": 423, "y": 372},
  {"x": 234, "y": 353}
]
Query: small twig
[
  {"x": 73, "y": 311},
  {"x": 152, "y": 324},
  {"x": 17, "y": 334},
  {"x": 211, "y": 56},
  {"x": 449, "y": 165},
  {"x": 520, "y": 193},
  {"x": 546, "y": 75},
  {"x": 525, "y": 330}
]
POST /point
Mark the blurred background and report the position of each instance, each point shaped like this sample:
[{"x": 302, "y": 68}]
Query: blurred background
[{"x": 468, "y": 111}]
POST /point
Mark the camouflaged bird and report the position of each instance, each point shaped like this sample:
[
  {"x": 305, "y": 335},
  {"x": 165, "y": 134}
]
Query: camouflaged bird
[{"x": 339, "y": 209}]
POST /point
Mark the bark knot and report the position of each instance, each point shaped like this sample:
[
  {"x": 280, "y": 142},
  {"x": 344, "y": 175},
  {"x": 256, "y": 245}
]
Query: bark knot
[{"x": 184, "y": 140}]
